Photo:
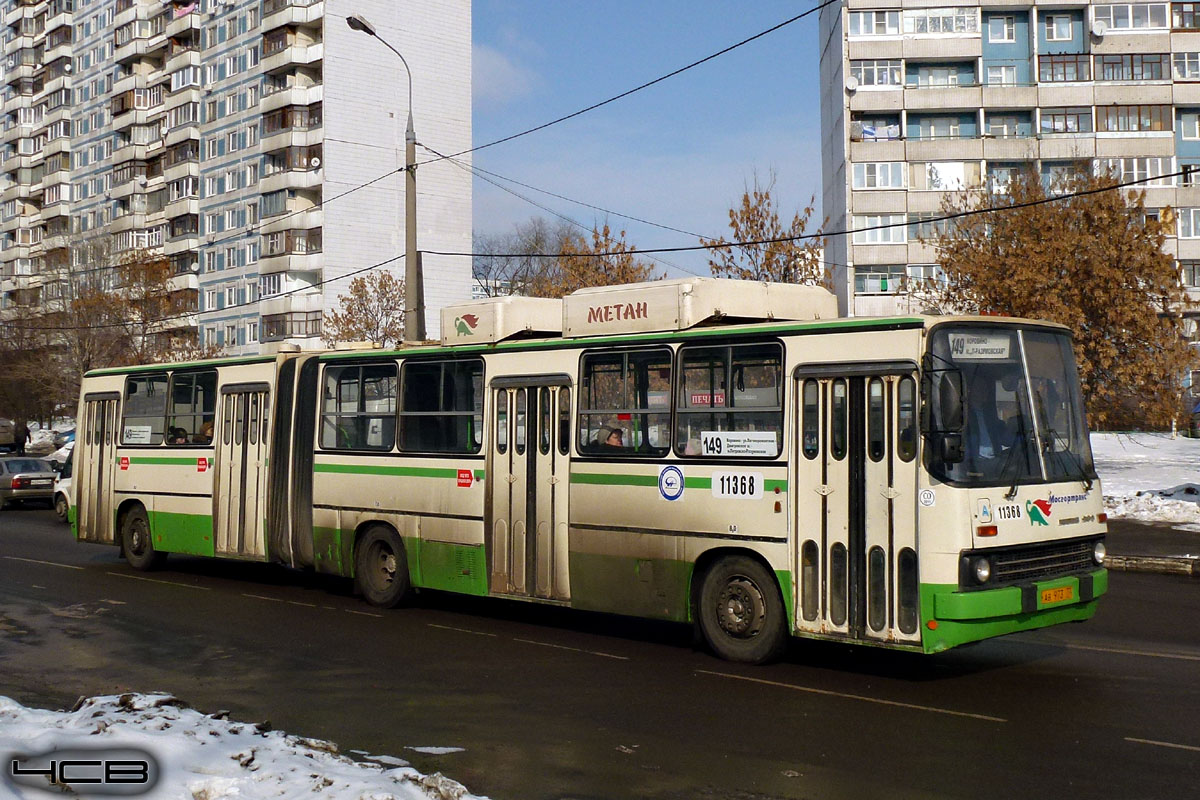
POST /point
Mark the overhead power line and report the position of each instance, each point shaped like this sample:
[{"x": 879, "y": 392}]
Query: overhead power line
[
  {"x": 747, "y": 243},
  {"x": 636, "y": 89}
]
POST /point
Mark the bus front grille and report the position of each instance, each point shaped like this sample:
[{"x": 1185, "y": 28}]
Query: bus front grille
[{"x": 1039, "y": 561}]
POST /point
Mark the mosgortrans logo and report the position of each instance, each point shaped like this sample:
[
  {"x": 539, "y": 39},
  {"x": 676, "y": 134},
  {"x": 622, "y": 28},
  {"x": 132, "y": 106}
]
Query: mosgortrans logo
[
  {"x": 84, "y": 772},
  {"x": 466, "y": 324},
  {"x": 1038, "y": 511}
]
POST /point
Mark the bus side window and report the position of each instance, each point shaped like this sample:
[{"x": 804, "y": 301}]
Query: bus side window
[
  {"x": 906, "y": 419},
  {"x": 811, "y": 419},
  {"x": 144, "y": 418}
]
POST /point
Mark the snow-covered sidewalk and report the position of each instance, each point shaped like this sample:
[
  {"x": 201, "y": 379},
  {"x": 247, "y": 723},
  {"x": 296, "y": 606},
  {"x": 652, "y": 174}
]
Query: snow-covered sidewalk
[
  {"x": 1150, "y": 477},
  {"x": 203, "y": 757}
]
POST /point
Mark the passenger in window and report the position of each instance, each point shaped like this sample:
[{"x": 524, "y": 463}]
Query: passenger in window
[
  {"x": 615, "y": 438},
  {"x": 178, "y": 436},
  {"x": 205, "y": 435}
]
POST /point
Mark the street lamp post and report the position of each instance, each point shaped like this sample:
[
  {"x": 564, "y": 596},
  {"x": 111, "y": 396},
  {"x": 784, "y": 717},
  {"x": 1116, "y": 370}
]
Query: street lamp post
[{"x": 414, "y": 294}]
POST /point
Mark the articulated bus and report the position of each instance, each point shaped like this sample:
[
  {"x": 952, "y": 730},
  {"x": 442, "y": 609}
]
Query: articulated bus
[{"x": 725, "y": 453}]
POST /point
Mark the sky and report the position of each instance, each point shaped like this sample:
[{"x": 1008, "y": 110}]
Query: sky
[{"x": 679, "y": 153}]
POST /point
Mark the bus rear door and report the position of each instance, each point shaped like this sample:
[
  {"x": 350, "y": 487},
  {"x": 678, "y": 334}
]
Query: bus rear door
[{"x": 239, "y": 495}]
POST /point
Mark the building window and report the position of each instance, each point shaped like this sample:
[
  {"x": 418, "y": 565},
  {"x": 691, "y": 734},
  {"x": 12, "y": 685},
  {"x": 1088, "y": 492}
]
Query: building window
[
  {"x": 1131, "y": 67},
  {"x": 1066, "y": 120},
  {"x": 1002, "y": 75},
  {"x": 1133, "y": 118},
  {"x": 937, "y": 76},
  {"x": 1190, "y": 174},
  {"x": 1185, "y": 16},
  {"x": 885, "y": 175},
  {"x": 1189, "y": 223},
  {"x": 1187, "y": 66},
  {"x": 880, "y": 228},
  {"x": 1149, "y": 171},
  {"x": 1003, "y": 126},
  {"x": 1061, "y": 68},
  {"x": 1002, "y": 29},
  {"x": 927, "y": 225},
  {"x": 943, "y": 175},
  {"x": 874, "y": 23},
  {"x": 1189, "y": 125},
  {"x": 939, "y": 128},
  {"x": 1132, "y": 15},
  {"x": 880, "y": 279},
  {"x": 942, "y": 20},
  {"x": 1189, "y": 273},
  {"x": 1058, "y": 28},
  {"x": 877, "y": 73}
]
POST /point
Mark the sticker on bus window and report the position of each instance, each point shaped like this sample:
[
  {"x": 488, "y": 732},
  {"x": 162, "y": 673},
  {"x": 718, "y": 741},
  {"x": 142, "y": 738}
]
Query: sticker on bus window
[
  {"x": 137, "y": 434},
  {"x": 980, "y": 346},
  {"x": 738, "y": 444},
  {"x": 741, "y": 485}
]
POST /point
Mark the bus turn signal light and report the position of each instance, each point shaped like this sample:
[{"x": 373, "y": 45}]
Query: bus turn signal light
[
  {"x": 1102, "y": 517},
  {"x": 985, "y": 530}
]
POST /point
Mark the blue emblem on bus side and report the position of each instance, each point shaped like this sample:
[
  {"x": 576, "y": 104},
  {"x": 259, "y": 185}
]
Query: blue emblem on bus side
[{"x": 670, "y": 482}]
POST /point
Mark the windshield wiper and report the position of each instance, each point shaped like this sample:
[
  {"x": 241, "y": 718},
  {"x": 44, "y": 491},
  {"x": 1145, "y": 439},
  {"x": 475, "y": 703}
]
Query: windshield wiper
[
  {"x": 1074, "y": 459},
  {"x": 1018, "y": 439}
]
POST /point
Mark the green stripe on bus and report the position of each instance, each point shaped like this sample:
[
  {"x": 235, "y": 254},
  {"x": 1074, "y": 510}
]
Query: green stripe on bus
[
  {"x": 162, "y": 460},
  {"x": 411, "y": 472},
  {"x": 612, "y": 479}
]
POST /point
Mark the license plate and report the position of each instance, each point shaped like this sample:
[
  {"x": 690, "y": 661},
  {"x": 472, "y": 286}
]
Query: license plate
[
  {"x": 40, "y": 483},
  {"x": 1059, "y": 595}
]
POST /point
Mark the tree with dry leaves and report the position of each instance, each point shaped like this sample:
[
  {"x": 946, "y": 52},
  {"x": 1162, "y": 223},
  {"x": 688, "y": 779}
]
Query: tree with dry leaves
[
  {"x": 785, "y": 255},
  {"x": 373, "y": 311},
  {"x": 1092, "y": 260},
  {"x": 607, "y": 260},
  {"x": 510, "y": 263}
]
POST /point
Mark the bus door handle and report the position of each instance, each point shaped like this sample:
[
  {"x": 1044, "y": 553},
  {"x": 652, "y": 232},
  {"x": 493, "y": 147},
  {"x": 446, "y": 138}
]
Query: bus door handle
[
  {"x": 824, "y": 490},
  {"x": 890, "y": 493},
  {"x": 512, "y": 478},
  {"x": 552, "y": 480}
]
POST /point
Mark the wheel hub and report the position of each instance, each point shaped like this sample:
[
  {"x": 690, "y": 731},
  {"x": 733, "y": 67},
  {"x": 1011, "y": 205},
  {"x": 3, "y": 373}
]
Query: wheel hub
[{"x": 741, "y": 608}]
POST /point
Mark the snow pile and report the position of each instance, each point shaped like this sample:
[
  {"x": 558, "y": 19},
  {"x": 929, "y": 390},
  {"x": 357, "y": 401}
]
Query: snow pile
[
  {"x": 1150, "y": 477},
  {"x": 207, "y": 757}
]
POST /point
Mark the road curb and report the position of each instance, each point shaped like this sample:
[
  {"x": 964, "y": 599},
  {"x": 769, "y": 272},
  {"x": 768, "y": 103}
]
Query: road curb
[{"x": 1165, "y": 565}]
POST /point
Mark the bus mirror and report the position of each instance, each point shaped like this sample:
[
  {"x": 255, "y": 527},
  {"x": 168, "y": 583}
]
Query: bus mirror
[
  {"x": 950, "y": 400},
  {"x": 950, "y": 447}
]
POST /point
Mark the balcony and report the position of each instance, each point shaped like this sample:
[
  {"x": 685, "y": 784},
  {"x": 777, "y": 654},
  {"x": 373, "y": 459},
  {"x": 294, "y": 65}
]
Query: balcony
[
  {"x": 1067, "y": 146},
  {"x": 183, "y": 244},
  {"x": 291, "y": 179},
  {"x": 291, "y": 137},
  {"x": 291, "y": 96},
  {"x": 185, "y": 24},
  {"x": 1010, "y": 148},
  {"x": 293, "y": 220},
  {"x": 182, "y": 57},
  {"x": 942, "y": 97},
  {"x": 277, "y": 13},
  {"x": 181, "y": 207},
  {"x": 1010, "y": 96},
  {"x": 18, "y": 101},
  {"x": 944, "y": 149},
  {"x": 297, "y": 54}
]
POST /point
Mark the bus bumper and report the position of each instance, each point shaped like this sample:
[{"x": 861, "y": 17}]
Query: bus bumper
[{"x": 952, "y": 617}]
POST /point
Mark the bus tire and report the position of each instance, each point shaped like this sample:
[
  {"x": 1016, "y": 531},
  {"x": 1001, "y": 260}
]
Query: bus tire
[
  {"x": 137, "y": 543},
  {"x": 741, "y": 613},
  {"x": 61, "y": 507},
  {"x": 381, "y": 567}
]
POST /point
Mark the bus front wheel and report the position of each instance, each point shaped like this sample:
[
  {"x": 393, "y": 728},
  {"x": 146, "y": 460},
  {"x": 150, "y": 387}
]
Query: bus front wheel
[
  {"x": 381, "y": 568},
  {"x": 136, "y": 541},
  {"x": 741, "y": 614}
]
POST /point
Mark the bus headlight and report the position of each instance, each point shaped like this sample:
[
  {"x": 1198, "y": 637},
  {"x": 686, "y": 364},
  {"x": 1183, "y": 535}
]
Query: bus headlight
[
  {"x": 981, "y": 568},
  {"x": 1099, "y": 551}
]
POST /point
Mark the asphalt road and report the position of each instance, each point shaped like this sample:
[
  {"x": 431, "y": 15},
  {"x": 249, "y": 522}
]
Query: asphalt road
[{"x": 556, "y": 704}]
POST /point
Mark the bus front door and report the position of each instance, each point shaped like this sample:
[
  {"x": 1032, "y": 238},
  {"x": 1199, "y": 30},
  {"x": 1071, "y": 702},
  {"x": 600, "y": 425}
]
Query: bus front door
[
  {"x": 528, "y": 484},
  {"x": 95, "y": 463},
  {"x": 856, "y": 478},
  {"x": 239, "y": 492}
]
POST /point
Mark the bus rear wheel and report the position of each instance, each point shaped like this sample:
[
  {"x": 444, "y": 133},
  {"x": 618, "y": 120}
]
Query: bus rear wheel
[
  {"x": 136, "y": 541},
  {"x": 741, "y": 614},
  {"x": 381, "y": 568}
]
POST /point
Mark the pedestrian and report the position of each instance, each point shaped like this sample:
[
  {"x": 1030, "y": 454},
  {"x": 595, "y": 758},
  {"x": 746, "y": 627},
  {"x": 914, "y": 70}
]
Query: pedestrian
[{"x": 21, "y": 435}]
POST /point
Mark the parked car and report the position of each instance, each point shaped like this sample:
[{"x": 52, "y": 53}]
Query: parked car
[
  {"x": 62, "y": 437},
  {"x": 64, "y": 489},
  {"x": 23, "y": 479},
  {"x": 8, "y": 437},
  {"x": 60, "y": 456}
]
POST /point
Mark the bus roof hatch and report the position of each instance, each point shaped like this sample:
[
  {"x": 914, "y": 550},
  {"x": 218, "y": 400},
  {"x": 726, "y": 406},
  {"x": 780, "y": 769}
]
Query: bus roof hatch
[{"x": 689, "y": 302}]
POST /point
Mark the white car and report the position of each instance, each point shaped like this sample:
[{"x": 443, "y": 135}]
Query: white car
[{"x": 64, "y": 489}]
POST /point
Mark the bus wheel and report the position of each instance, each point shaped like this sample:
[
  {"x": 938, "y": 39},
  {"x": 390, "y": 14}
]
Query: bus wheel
[
  {"x": 61, "y": 508},
  {"x": 741, "y": 614},
  {"x": 135, "y": 541},
  {"x": 381, "y": 568}
]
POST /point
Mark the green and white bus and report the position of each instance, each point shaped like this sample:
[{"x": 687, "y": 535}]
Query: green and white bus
[{"x": 725, "y": 453}]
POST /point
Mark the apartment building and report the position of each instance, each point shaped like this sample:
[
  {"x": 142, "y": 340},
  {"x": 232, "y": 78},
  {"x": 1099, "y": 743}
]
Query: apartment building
[
  {"x": 923, "y": 98},
  {"x": 232, "y": 137}
]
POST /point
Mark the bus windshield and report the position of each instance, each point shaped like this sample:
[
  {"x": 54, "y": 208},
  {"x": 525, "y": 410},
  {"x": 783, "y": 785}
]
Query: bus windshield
[{"x": 1021, "y": 417}]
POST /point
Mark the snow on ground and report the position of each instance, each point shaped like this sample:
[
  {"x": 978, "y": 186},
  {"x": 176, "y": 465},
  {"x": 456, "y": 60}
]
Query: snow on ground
[
  {"x": 1150, "y": 477},
  {"x": 208, "y": 757}
]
